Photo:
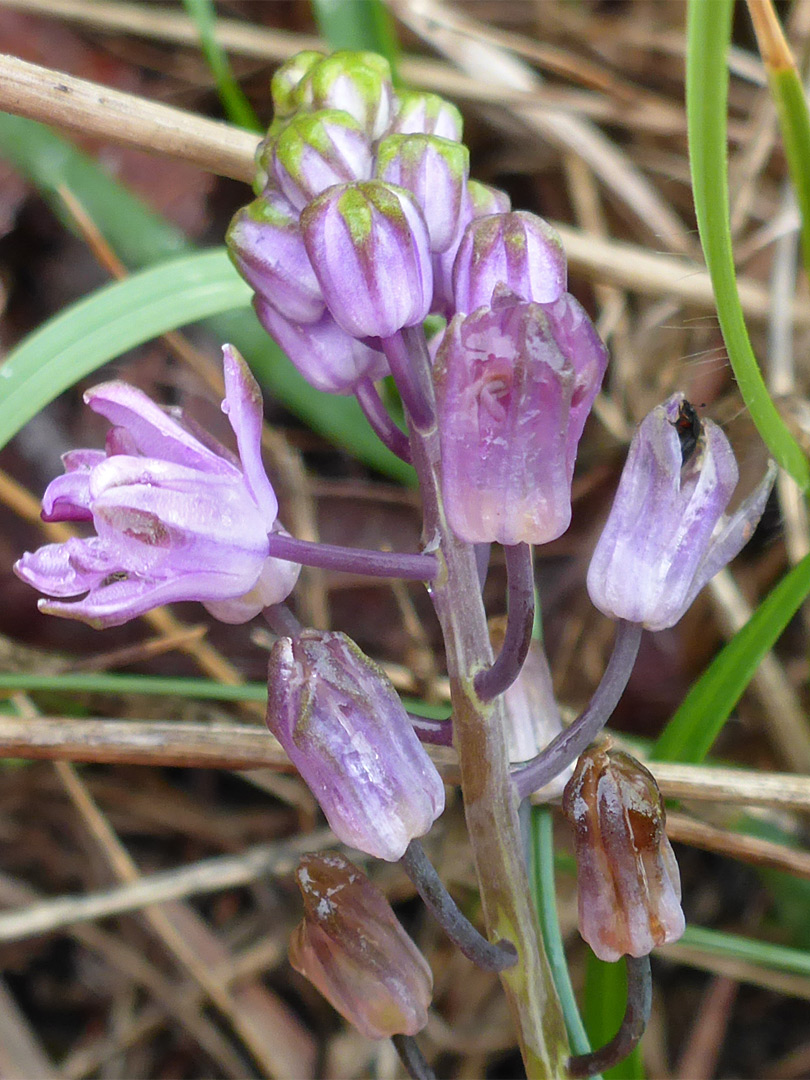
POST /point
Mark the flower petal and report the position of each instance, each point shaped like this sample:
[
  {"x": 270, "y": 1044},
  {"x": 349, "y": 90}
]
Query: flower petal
[
  {"x": 67, "y": 569},
  {"x": 243, "y": 407}
]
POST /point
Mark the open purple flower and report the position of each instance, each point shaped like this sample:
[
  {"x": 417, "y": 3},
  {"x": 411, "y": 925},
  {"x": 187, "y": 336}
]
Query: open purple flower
[
  {"x": 177, "y": 516},
  {"x": 667, "y": 534}
]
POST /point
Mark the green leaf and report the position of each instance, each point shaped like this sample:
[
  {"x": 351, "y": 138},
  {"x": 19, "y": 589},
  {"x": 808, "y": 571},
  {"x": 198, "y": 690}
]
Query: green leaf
[
  {"x": 690, "y": 733},
  {"x": 109, "y": 322},
  {"x": 708, "y": 35},
  {"x": 358, "y": 24},
  {"x": 545, "y": 899},
  {"x": 794, "y": 120},
  {"x": 605, "y": 1002},
  {"x": 237, "y": 107},
  {"x": 762, "y": 953}
]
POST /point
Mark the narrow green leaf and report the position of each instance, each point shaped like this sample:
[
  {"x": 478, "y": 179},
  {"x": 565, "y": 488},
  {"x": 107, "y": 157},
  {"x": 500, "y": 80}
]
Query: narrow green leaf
[
  {"x": 709, "y": 30},
  {"x": 237, "y": 107},
  {"x": 605, "y": 1001},
  {"x": 690, "y": 733},
  {"x": 358, "y": 24},
  {"x": 545, "y": 899},
  {"x": 109, "y": 322},
  {"x": 142, "y": 238},
  {"x": 762, "y": 953},
  {"x": 794, "y": 120}
]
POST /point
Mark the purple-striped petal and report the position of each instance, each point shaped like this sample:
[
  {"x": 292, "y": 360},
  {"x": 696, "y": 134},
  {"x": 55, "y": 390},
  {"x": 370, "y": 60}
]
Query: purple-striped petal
[{"x": 244, "y": 409}]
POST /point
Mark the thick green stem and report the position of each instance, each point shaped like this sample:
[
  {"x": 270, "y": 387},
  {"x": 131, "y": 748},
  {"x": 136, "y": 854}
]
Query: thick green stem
[{"x": 490, "y": 800}]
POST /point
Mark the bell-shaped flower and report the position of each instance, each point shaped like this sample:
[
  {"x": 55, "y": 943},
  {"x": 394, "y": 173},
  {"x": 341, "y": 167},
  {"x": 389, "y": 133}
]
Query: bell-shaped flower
[
  {"x": 268, "y": 250},
  {"x": 417, "y": 113},
  {"x": 315, "y": 151},
  {"x": 532, "y": 714},
  {"x": 518, "y": 251},
  {"x": 369, "y": 247},
  {"x": 344, "y": 728},
  {"x": 358, "y": 83},
  {"x": 352, "y": 947},
  {"x": 667, "y": 534},
  {"x": 328, "y": 358},
  {"x": 514, "y": 385},
  {"x": 177, "y": 516},
  {"x": 480, "y": 200},
  {"x": 627, "y": 877},
  {"x": 435, "y": 171}
]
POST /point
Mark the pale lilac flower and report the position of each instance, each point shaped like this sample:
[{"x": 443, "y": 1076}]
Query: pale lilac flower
[
  {"x": 369, "y": 247},
  {"x": 516, "y": 251},
  {"x": 351, "y": 946},
  {"x": 344, "y": 728},
  {"x": 514, "y": 385},
  {"x": 667, "y": 534},
  {"x": 177, "y": 516},
  {"x": 627, "y": 877}
]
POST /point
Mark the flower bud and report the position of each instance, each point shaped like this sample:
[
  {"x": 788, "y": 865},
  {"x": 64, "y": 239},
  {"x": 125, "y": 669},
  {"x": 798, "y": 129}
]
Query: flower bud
[
  {"x": 267, "y": 248},
  {"x": 518, "y": 251},
  {"x": 317, "y": 150},
  {"x": 480, "y": 200},
  {"x": 532, "y": 714},
  {"x": 417, "y": 113},
  {"x": 285, "y": 84},
  {"x": 627, "y": 877},
  {"x": 435, "y": 170},
  {"x": 667, "y": 535},
  {"x": 514, "y": 383},
  {"x": 351, "y": 946},
  {"x": 369, "y": 247},
  {"x": 358, "y": 83},
  {"x": 344, "y": 728},
  {"x": 328, "y": 358}
]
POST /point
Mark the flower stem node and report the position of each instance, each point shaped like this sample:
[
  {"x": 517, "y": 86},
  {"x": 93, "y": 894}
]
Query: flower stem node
[
  {"x": 627, "y": 877},
  {"x": 667, "y": 534},
  {"x": 344, "y": 728},
  {"x": 514, "y": 385},
  {"x": 177, "y": 516},
  {"x": 351, "y": 946},
  {"x": 369, "y": 247},
  {"x": 517, "y": 251},
  {"x": 316, "y": 151}
]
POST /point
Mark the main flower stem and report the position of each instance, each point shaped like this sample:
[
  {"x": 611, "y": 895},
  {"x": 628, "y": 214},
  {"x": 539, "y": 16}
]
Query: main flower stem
[{"x": 490, "y": 800}]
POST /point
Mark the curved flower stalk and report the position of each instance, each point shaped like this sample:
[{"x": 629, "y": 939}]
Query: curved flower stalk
[
  {"x": 667, "y": 534},
  {"x": 177, "y": 516}
]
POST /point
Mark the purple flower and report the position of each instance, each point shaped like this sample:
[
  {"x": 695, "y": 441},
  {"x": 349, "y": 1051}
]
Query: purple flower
[
  {"x": 266, "y": 245},
  {"x": 518, "y": 251},
  {"x": 667, "y": 534},
  {"x": 177, "y": 516},
  {"x": 328, "y": 358},
  {"x": 369, "y": 247},
  {"x": 435, "y": 171},
  {"x": 514, "y": 385},
  {"x": 627, "y": 877},
  {"x": 344, "y": 728},
  {"x": 315, "y": 151},
  {"x": 351, "y": 946}
]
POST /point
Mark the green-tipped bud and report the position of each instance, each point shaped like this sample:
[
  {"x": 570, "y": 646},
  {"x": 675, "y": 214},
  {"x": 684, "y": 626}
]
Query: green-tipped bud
[
  {"x": 358, "y": 83},
  {"x": 285, "y": 84},
  {"x": 316, "y": 151},
  {"x": 435, "y": 170},
  {"x": 426, "y": 114}
]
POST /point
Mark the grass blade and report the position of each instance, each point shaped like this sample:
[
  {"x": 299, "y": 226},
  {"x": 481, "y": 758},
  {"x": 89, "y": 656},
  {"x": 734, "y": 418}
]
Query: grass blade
[
  {"x": 709, "y": 29},
  {"x": 237, "y": 107},
  {"x": 690, "y": 733},
  {"x": 605, "y": 1000}
]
